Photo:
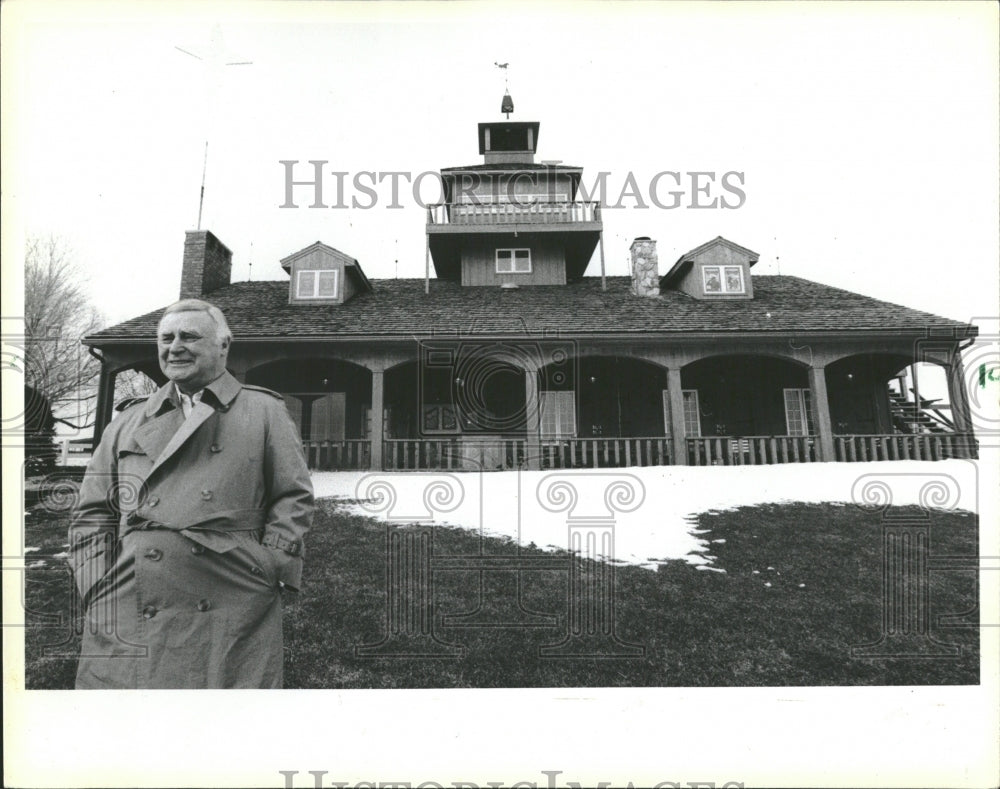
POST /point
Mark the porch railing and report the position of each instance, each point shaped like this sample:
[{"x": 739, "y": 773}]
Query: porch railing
[
  {"x": 495, "y": 454},
  {"x": 905, "y": 446},
  {"x": 606, "y": 452},
  {"x": 353, "y": 454},
  {"x": 460, "y": 454},
  {"x": 510, "y": 453},
  {"x": 512, "y": 213},
  {"x": 751, "y": 450}
]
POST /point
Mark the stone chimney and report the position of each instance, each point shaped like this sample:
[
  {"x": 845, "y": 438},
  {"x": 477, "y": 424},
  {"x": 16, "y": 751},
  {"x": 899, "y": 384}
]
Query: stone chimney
[
  {"x": 645, "y": 272},
  {"x": 208, "y": 264}
]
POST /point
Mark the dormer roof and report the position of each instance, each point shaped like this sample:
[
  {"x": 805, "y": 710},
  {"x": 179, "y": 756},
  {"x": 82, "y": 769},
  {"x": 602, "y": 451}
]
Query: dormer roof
[
  {"x": 352, "y": 268},
  {"x": 685, "y": 261}
]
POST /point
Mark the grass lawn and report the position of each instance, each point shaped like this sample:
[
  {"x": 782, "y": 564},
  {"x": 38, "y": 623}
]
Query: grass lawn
[{"x": 803, "y": 583}]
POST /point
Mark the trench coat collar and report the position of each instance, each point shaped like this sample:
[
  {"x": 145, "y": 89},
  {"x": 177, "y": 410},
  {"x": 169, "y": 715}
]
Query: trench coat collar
[
  {"x": 224, "y": 390},
  {"x": 167, "y": 437}
]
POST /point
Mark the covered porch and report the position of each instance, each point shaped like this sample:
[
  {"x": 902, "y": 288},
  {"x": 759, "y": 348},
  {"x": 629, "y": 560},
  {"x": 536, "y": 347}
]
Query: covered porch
[{"x": 498, "y": 405}]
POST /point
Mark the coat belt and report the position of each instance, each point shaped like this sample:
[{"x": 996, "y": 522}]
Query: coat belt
[{"x": 224, "y": 521}]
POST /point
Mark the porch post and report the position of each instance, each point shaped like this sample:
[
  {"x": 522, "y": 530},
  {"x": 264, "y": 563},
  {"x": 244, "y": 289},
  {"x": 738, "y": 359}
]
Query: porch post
[
  {"x": 958, "y": 396},
  {"x": 676, "y": 397},
  {"x": 533, "y": 448},
  {"x": 378, "y": 418},
  {"x": 105, "y": 402},
  {"x": 821, "y": 411}
]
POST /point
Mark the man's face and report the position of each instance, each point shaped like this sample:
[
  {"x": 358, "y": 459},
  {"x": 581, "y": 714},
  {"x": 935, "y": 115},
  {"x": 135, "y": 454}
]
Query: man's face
[{"x": 191, "y": 353}]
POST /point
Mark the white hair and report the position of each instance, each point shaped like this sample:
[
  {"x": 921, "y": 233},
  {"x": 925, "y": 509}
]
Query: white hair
[{"x": 197, "y": 305}]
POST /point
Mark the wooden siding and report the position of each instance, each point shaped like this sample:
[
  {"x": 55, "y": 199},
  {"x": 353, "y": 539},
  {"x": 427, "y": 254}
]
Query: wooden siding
[
  {"x": 548, "y": 262},
  {"x": 320, "y": 260},
  {"x": 719, "y": 255},
  {"x": 742, "y": 395},
  {"x": 498, "y": 187},
  {"x": 859, "y": 406}
]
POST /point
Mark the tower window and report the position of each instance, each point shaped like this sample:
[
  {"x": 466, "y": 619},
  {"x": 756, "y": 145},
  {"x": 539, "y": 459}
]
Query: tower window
[
  {"x": 723, "y": 279},
  {"x": 316, "y": 284},
  {"x": 507, "y": 138},
  {"x": 513, "y": 261}
]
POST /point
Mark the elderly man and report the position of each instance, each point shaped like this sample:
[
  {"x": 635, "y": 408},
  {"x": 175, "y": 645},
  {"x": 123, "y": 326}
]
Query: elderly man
[{"x": 190, "y": 524}]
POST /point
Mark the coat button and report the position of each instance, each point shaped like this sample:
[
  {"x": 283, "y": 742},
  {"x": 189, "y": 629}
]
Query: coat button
[
  {"x": 206, "y": 495},
  {"x": 215, "y": 448},
  {"x": 149, "y": 611},
  {"x": 197, "y": 550},
  {"x": 153, "y": 501},
  {"x": 256, "y": 570},
  {"x": 154, "y": 554},
  {"x": 204, "y": 605}
]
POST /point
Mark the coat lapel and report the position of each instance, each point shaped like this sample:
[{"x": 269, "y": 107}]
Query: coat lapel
[
  {"x": 201, "y": 412},
  {"x": 167, "y": 432},
  {"x": 154, "y": 435}
]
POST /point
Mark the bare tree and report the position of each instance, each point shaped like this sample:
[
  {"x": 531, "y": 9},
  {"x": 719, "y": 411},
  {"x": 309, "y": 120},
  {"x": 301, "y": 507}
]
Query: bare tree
[
  {"x": 130, "y": 384},
  {"x": 57, "y": 315}
]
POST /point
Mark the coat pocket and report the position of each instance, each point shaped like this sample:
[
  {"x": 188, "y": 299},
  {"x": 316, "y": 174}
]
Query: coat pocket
[
  {"x": 261, "y": 558},
  {"x": 91, "y": 560}
]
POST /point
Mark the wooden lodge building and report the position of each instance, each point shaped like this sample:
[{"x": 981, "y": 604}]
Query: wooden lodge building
[{"x": 512, "y": 357}]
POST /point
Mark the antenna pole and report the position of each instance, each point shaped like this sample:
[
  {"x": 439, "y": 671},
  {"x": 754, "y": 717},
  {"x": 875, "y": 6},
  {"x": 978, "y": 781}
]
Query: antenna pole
[
  {"x": 201, "y": 197},
  {"x": 213, "y": 59}
]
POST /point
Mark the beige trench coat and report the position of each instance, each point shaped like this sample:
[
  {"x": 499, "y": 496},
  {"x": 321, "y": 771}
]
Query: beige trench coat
[{"x": 184, "y": 532}]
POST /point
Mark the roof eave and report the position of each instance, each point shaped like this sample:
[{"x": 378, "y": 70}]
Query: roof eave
[{"x": 958, "y": 332}]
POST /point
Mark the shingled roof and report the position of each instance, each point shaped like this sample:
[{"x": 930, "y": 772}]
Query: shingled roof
[{"x": 399, "y": 307}]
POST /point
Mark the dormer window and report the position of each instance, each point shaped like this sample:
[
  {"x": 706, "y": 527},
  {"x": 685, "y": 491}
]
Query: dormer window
[
  {"x": 321, "y": 275},
  {"x": 718, "y": 269},
  {"x": 723, "y": 279},
  {"x": 316, "y": 284},
  {"x": 513, "y": 261}
]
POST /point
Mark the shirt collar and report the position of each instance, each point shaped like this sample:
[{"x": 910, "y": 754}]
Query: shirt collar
[{"x": 223, "y": 391}]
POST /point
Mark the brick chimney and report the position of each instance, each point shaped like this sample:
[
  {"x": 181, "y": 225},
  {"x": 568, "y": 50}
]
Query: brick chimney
[
  {"x": 208, "y": 264},
  {"x": 645, "y": 272}
]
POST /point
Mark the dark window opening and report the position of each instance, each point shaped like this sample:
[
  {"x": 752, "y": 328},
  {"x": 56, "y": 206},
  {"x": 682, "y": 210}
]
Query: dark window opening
[{"x": 508, "y": 139}]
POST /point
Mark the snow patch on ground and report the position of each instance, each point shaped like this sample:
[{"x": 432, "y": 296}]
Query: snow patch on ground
[{"x": 510, "y": 503}]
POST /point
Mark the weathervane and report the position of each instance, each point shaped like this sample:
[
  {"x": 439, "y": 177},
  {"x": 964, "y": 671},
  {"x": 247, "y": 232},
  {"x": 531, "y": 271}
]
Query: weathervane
[{"x": 507, "y": 105}]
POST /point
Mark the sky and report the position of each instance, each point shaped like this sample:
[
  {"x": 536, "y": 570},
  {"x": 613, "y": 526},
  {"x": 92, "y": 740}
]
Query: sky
[{"x": 865, "y": 134}]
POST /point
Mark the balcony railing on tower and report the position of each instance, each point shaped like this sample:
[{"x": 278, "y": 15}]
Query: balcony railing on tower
[{"x": 540, "y": 213}]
